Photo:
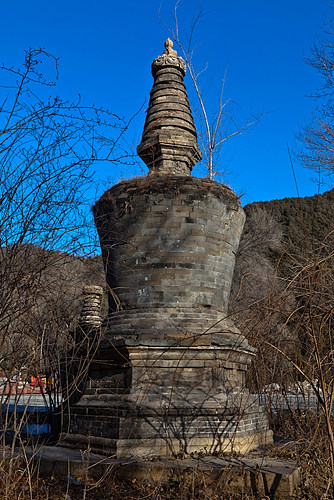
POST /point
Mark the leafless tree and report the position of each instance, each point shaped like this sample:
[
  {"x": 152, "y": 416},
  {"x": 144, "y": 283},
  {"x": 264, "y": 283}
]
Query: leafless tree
[
  {"x": 256, "y": 286},
  {"x": 286, "y": 309},
  {"x": 217, "y": 127},
  {"x": 317, "y": 137},
  {"x": 47, "y": 149}
]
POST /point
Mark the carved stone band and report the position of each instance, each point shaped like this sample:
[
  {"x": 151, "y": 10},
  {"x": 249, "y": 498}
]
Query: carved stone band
[{"x": 166, "y": 60}]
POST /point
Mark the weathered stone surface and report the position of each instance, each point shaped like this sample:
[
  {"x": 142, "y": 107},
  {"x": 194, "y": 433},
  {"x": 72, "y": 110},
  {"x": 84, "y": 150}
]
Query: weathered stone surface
[
  {"x": 148, "y": 401},
  {"x": 169, "y": 243},
  {"x": 91, "y": 308},
  {"x": 168, "y": 376},
  {"x": 169, "y": 142}
]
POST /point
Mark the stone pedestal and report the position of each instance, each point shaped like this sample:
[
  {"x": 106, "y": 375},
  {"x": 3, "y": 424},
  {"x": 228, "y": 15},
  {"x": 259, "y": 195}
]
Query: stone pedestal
[{"x": 144, "y": 401}]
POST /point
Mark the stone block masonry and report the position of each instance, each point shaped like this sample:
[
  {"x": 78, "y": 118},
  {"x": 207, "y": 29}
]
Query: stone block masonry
[
  {"x": 182, "y": 264},
  {"x": 168, "y": 375}
]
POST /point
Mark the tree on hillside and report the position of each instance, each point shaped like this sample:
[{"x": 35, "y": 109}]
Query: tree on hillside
[{"x": 317, "y": 137}]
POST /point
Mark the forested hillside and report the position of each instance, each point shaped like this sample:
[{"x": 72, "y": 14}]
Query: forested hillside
[
  {"x": 282, "y": 291},
  {"x": 41, "y": 296},
  {"x": 303, "y": 220}
]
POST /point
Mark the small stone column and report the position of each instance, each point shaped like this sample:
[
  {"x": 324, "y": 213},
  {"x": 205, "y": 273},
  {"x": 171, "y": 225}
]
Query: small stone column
[{"x": 91, "y": 309}]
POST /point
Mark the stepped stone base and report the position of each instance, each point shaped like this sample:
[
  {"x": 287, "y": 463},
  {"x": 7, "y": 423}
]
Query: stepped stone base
[
  {"x": 144, "y": 401},
  {"x": 158, "y": 447}
]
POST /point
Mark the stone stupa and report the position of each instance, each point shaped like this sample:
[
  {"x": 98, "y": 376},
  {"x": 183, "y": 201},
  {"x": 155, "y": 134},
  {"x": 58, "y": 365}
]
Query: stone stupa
[{"x": 168, "y": 374}]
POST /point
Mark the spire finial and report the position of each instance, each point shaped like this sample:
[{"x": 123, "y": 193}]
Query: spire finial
[{"x": 169, "y": 51}]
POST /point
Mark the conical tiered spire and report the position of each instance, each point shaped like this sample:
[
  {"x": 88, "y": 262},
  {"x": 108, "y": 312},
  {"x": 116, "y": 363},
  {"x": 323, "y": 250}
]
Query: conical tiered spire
[{"x": 169, "y": 143}]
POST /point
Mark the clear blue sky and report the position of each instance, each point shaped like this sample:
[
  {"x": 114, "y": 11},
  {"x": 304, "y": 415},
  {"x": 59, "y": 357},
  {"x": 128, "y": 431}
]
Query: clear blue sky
[{"x": 106, "y": 48}]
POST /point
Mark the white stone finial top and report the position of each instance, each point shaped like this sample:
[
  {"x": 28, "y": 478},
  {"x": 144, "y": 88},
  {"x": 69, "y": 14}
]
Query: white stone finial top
[{"x": 169, "y": 51}]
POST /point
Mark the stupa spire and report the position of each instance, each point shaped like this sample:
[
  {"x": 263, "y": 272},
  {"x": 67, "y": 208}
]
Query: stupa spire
[{"x": 169, "y": 142}]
